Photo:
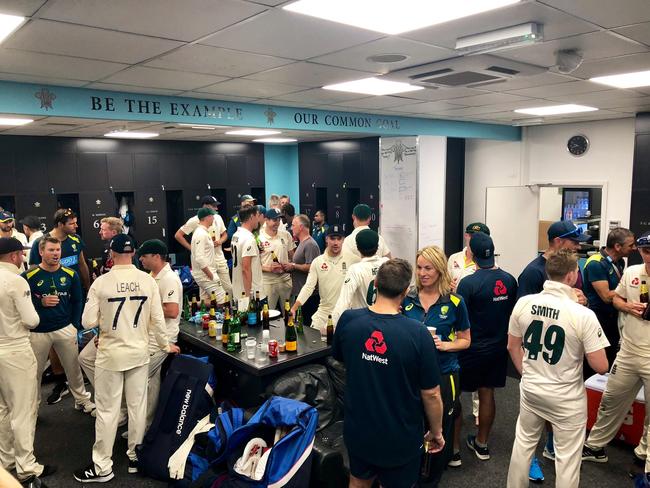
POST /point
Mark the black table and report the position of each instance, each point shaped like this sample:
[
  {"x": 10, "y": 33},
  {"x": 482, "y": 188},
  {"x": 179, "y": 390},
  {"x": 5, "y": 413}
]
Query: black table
[{"x": 245, "y": 380}]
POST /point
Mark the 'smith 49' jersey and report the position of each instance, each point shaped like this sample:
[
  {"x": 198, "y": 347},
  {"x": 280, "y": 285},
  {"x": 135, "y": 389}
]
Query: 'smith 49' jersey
[
  {"x": 358, "y": 290},
  {"x": 557, "y": 332},
  {"x": 125, "y": 302}
]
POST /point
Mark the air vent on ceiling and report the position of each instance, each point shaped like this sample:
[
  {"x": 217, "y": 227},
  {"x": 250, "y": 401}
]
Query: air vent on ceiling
[{"x": 464, "y": 71}]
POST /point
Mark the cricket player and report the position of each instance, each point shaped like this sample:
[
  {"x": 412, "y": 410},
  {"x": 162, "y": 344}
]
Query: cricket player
[
  {"x": 358, "y": 290},
  {"x": 126, "y": 304},
  {"x": 203, "y": 258},
  {"x": 326, "y": 272},
  {"x": 276, "y": 247},
  {"x": 548, "y": 337},
  {"x": 246, "y": 264},
  {"x": 361, "y": 217}
]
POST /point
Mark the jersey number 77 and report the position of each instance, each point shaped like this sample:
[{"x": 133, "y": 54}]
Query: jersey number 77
[
  {"x": 553, "y": 342},
  {"x": 122, "y": 301}
]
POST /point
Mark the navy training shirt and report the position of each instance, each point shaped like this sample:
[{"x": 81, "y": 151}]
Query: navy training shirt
[
  {"x": 490, "y": 296},
  {"x": 448, "y": 315},
  {"x": 532, "y": 278},
  {"x": 600, "y": 267},
  {"x": 389, "y": 359}
]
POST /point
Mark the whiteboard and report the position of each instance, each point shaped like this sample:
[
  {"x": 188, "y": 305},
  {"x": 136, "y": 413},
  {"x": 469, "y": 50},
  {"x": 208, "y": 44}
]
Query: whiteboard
[{"x": 398, "y": 195}]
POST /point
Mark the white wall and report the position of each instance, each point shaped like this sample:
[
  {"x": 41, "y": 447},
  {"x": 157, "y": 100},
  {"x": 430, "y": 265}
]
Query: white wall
[
  {"x": 432, "y": 169},
  {"x": 542, "y": 157},
  {"x": 550, "y": 203}
]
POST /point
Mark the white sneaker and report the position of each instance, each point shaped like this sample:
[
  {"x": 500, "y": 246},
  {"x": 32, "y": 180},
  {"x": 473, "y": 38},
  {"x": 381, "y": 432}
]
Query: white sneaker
[
  {"x": 247, "y": 463},
  {"x": 88, "y": 407}
]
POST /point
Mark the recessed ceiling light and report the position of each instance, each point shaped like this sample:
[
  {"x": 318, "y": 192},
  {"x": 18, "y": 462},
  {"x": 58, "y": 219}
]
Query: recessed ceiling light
[
  {"x": 387, "y": 58},
  {"x": 12, "y": 121},
  {"x": 625, "y": 80},
  {"x": 373, "y": 86},
  {"x": 392, "y": 17},
  {"x": 8, "y": 24},
  {"x": 253, "y": 132},
  {"x": 125, "y": 134},
  {"x": 555, "y": 110},
  {"x": 275, "y": 140}
]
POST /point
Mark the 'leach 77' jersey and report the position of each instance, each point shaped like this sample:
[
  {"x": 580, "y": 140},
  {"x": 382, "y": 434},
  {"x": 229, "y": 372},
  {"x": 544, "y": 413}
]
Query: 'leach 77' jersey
[
  {"x": 125, "y": 302},
  {"x": 358, "y": 290}
]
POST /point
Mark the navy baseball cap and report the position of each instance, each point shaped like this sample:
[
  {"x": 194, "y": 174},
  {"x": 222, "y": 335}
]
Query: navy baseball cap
[
  {"x": 565, "y": 229},
  {"x": 6, "y": 216},
  {"x": 10, "y": 244},
  {"x": 122, "y": 244},
  {"x": 335, "y": 230},
  {"x": 31, "y": 221},
  {"x": 273, "y": 213},
  {"x": 644, "y": 240},
  {"x": 482, "y": 248},
  {"x": 210, "y": 200}
]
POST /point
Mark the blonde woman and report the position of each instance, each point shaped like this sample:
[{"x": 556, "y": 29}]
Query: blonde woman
[{"x": 445, "y": 315}]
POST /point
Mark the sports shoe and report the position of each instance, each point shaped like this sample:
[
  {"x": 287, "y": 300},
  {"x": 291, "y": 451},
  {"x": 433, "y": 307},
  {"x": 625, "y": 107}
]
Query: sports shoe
[
  {"x": 48, "y": 469},
  {"x": 33, "y": 482},
  {"x": 535, "y": 473},
  {"x": 89, "y": 475},
  {"x": 637, "y": 467},
  {"x": 455, "y": 461},
  {"x": 88, "y": 407},
  {"x": 60, "y": 390},
  {"x": 642, "y": 481},
  {"x": 483, "y": 453},
  {"x": 549, "y": 453},
  {"x": 594, "y": 455},
  {"x": 133, "y": 466}
]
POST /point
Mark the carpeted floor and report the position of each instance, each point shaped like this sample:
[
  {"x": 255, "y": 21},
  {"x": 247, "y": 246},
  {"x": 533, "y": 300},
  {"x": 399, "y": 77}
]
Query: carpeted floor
[{"x": 64, "y": 437}]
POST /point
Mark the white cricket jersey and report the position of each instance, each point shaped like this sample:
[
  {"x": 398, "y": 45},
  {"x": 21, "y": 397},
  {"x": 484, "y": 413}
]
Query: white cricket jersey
[
  {"x": 281, "y": 244},
  {"x": 327, "y": 272},
  {"x": 358, "y": 290},
  {"x": 458, "y": 266},
  {"x": 557, "y": 332},
  {"x": 125, "y": 302},
  {"x": 170, "y": 290},
  {"x": 244, "y": 244},
  {"x": 32, "y": 238},
  {"x": 215, "y": 230},
  {"x": 20, "y": 236},
  {"x": 203, "y": 253},
  {"x": 17, "y": 312},
  {"x": 635, "y": 334},
  {"x": 350, "y": 244}
]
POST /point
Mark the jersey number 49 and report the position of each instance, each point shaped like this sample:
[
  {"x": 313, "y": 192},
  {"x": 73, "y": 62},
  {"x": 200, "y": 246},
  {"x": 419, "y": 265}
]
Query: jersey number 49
[{"x": 553, "y": 342}]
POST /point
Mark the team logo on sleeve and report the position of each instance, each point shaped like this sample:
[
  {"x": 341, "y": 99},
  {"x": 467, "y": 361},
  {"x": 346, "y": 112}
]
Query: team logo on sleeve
[
  {"x": 40, "y": 282},
  {"x": 347, "y": 280},
  {"x": 171, "y": 292},
  {"x": 408, "y": 307},
  {"x": 27, "y": 293}
]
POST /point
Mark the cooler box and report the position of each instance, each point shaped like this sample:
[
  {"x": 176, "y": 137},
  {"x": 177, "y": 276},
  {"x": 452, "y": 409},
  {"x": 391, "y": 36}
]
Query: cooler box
[{"x": 632, "y": 427}]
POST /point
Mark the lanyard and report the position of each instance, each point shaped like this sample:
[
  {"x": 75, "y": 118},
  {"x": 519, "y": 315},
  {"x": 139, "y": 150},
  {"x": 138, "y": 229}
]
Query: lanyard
[{"x": 616, "y": 270}]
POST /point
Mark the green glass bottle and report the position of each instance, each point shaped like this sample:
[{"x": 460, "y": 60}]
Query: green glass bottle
[
  {"x": 299, "y": 321},
  {"x": 234, "y": 334}
]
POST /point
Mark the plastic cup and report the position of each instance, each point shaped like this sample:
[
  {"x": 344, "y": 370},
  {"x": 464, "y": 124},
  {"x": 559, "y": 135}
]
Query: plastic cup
[
  {"x": 251, "y": 345},
  {"x": 432, "y": 331},
  {"x": 219, "y": 330}
]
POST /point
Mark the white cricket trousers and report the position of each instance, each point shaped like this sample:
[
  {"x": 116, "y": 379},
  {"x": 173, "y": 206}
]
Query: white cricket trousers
[
  {"x": 277, "y": 292},
  {"x": 224, "y": 275},
  {"x": 64, "y": 342},
  {"x": 207, "y": 286},
  {"x": 626, "y": 376},
  {"x": 108, "y": 398},
  {"x": 18, "y": 405},
  {"x": 568, "y": 441}
]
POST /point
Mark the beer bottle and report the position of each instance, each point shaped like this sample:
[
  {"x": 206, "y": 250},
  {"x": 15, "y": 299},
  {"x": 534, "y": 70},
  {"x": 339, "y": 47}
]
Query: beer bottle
[
  {"x": 186, "y": 308},
  {"x": 330, "y": 330},
  {"x": 275, "y": 257},
  {"x": 54, "y": 292},
  {"x": 234, "y": 335},
  {"x": 243, "y": 312},
  {"x": 252, "y": 313},
  {"x": 266, "y": 323},
  {"x": 258, "y": 308},
  {"x": 425, "y": 467},
  {"x": 226, "y": 326},
  {"x": 195, "y": 306},
  {"x": 203, "y": 309},
  {"x": 213, "y": 300},
  {"x": 213, "y": 314},
  {"x": 226, "y": 301},
  {"x": 299, "y": 321},
  {"x": 287, "y": 312},
  {"x": 643, "y": 293},
  {"x": 290, "y": 337}
]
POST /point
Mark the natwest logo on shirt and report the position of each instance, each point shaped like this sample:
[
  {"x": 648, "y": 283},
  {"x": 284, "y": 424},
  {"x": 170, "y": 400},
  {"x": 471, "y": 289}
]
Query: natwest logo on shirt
[
  {"x": 500, "y": 291},
  {"x": 324, "y": 267},
  {"x": 635, "y": 282},
  {"x": 375, "y": 344}
]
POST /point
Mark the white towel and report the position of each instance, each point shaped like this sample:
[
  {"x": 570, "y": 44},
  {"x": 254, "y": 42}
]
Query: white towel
[{"x": 177, "y": 461}]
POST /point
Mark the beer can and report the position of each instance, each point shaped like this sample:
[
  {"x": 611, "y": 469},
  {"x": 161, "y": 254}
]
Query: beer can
[
  {"x": 212, "y": 329},
  {"x": 205, "y": 321},
  {"x": 273, "y": 348}
]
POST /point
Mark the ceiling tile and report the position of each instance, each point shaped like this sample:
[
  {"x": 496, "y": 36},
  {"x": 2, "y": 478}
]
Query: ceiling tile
[
  {"x": 489, "y": 99},
  {"x": 434, "y": 94},
  {"x": 606, "y": 13},
  {"x": 162, "y": 78},
  {"x": 87, "y": 42},
  {"x": 251, "y": 88},
  {"x": 319, "y": 96},
  {"x": 198, "y": 58},
  {"x": 212, "y": 96},
  {"x": 556, "y": 24},
  {"x": 356, "y": 57},
  {"x": 568, "y": 88},
  {"x": 47, "y": 80},
  {"x": 380, "y": 102},
  {"x": 310, "y": 75},
  {"x": 25, "y": 8},
  {"x": 427, "y": 107},
  {"x": 288, "y": 34},
  {"x": 56, "y": 66},
  {"x": 519, "y": 82},
  {"x": 283, "y": 103},
  {"x": 613, "y": 66},
  {"x": 132, "y": 89},
  {"x": 186, "y": 21},
  {"x": 638, "y": 32}
]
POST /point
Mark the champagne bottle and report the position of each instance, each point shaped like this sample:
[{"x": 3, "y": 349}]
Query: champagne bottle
[
  {"x": 290, "y": 337},
  {"x": 299, "y": 321},
  {"x": 287, "y": 312},
  {"x": 266, "y": 323},
  {"x": 643, "y": 293},
  {"x": 243, "y": 312},
  {"x": 213, "y": 300},
  {"x": 226, "y": 326},
  {"x": 252, "y": 313},
  {"x": 258, "y": 308},
  {"x": 195, "y": 306},
  {"x": 330, "y": 330}
]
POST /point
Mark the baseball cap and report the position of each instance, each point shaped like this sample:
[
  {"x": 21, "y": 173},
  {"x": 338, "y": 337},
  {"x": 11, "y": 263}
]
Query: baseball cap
[
  {"x": 565, "y": 229},
  {"x": 367, "y": 240},
  {"x": 6, "y": 216},
  {"x": 336, "y": 230},
  {"x": 246, "y": 197},
  {"x": 10, "y": 244},
  {"x": 362, "y": 211},
  {"x": 31, "y": 221},
  {"x": 204, "y": 212},
  {"x": 482, "y": 249},
  {"x": 644, "y": 240},
  {"x": 477, "y": 227},
  {"x": 273, "y": 213},
  {"x": 153, "y": 246},
  {"x": 122, "y": 243},
  {"x": 210, "y": 200}
]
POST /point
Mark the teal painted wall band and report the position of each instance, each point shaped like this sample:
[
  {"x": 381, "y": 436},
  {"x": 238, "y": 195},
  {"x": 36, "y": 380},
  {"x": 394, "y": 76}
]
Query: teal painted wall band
[
  {"x": 60, "y": 101},
  {"x": 281, "y": 172}
]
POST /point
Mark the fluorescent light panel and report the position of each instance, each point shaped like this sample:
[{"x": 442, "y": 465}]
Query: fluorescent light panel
[
  {"x": 625, "y": 80},
  {"x": 500, "y": 39},
  {"x": 203, "y": 126},
  {"x": 125, "y": 134},
  {"x": 555, "y": 110},
  {"x": 9, "y": 24},
  {"x": 373, "y": 86},
  {"x": 391, "y": 17},
  {"x": 253, "y": 132},
  {"x": 275, "y": 140},
  {"x": 12, "y": 121}
]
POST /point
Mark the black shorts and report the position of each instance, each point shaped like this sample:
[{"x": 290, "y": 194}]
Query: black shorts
[
  {"x": 484, "y": 371},
  {"x": 404, "y": 476}
]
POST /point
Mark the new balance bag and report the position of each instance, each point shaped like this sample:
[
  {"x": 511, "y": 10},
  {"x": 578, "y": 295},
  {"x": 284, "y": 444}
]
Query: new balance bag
[{"x": 185, "y": 398}]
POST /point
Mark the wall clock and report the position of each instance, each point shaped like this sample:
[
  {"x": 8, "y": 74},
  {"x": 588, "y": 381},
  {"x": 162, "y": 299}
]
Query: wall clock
[{"x": 577, "y": 145}]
